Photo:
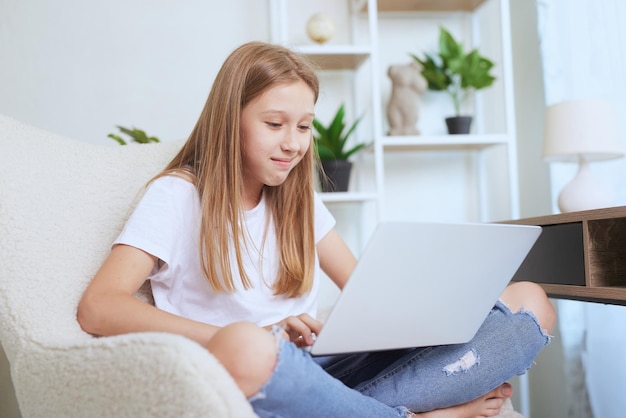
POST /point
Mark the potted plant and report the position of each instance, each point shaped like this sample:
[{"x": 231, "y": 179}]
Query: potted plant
[
  {"x": 333, "y": 151},
  {"x": 135, "y": 135},
  {"x": 456, "y": 73}
]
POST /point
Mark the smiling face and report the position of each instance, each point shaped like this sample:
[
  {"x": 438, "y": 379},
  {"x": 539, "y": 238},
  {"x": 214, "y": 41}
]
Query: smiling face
[{"x": 276, "y": 134}]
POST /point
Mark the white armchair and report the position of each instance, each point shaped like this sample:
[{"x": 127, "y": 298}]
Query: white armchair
[{"x": 62, "y": 202}]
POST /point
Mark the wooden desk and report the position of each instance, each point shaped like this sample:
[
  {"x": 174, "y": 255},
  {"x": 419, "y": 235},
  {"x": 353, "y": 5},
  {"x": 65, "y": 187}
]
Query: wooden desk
[{"x": 579, "y": 255}]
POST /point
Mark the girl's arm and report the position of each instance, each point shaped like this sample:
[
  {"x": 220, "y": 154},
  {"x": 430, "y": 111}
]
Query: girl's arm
[
  {"x": 109, "y": 307},
  {"x": 336, "y": 259}
]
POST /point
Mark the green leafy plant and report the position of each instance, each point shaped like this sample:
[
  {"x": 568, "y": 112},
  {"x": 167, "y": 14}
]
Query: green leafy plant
[
  {"x": 454, "y": 71},
  {"x": 135, "y": 135},
  {"x": 331, "y": 140}
]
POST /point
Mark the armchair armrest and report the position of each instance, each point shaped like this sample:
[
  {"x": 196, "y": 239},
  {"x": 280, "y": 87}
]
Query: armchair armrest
[{"x": 133, "y": 375}]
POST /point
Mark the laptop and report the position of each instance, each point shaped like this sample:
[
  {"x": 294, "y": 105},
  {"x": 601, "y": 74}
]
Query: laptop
[{"x": 423, "y": 284}]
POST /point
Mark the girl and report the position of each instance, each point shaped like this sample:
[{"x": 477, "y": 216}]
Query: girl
[{"x": 232, "y": 238}]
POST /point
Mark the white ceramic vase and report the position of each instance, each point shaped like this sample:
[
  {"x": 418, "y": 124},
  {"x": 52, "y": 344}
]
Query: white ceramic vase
[{"x": 320, "y": 28}]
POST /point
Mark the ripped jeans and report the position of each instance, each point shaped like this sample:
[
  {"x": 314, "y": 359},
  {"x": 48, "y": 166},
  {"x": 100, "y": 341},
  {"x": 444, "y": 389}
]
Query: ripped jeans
[{"x": 392, "y": 383}]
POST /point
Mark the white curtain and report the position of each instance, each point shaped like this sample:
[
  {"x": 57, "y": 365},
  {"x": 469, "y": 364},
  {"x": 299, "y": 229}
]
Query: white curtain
[{"x": 583, "y": 48}]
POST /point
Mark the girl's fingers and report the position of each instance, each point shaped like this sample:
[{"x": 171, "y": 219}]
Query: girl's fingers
[
  {"x": 300, "y": 329},
  {"x": 313, "y": 324}
]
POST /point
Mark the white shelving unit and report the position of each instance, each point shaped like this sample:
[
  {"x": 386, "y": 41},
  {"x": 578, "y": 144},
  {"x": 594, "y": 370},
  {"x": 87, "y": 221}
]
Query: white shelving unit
[
  {"x": 481, "y": 22},
  {"x": 491, "y": 147}
]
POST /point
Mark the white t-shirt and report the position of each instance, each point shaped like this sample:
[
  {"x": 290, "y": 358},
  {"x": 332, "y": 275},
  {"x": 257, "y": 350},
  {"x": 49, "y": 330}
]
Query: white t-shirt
[{"x": 166, "y": 224}]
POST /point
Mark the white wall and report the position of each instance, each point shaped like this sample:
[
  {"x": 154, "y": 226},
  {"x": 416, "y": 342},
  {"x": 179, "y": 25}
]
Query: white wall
[
  {"x": 535, "y": 192},
  {"x": 78, "y": 68}
]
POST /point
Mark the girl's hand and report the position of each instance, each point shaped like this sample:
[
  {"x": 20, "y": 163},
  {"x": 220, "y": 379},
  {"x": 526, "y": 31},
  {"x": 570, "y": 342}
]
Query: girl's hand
[{"x": 299, "y": 329}]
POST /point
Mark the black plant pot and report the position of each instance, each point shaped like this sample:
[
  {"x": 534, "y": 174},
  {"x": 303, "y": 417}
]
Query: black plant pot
[
  {"x": 335, "y": 176},
  {"x": 459, "y": 124}
]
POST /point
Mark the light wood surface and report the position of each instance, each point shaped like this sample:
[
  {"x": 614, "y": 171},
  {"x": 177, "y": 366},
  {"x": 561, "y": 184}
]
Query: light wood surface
[{"x": 427, "y": 5}]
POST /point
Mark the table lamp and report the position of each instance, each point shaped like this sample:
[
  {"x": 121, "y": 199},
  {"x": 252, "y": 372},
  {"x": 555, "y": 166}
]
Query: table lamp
[{"x": 583, "y": 131}]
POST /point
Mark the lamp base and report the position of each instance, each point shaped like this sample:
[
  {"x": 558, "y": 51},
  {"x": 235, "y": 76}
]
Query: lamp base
[{"x": 585, "y": 192}]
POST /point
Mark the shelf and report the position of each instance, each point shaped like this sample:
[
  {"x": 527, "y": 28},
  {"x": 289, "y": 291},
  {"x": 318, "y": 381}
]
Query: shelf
[
  {"x": 348, "y": 197},
  {"x": 608, "y": 295},
  {"x": 579, "y": 255},
  {"x": 426, "y": 5},
  {"x": 336, "y": 57},
  {"x": 442, "y": 142}
]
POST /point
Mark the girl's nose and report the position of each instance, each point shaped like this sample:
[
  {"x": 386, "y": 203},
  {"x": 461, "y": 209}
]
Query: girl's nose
[{"x": 290, "y": 142}]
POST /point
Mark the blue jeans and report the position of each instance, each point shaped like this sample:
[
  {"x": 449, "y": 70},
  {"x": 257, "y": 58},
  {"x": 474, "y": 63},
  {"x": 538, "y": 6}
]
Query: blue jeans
[{"x": 391, "y": 383}]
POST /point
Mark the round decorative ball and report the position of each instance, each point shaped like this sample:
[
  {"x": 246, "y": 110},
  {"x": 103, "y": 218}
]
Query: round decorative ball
[{"x": 320, "y": 28}]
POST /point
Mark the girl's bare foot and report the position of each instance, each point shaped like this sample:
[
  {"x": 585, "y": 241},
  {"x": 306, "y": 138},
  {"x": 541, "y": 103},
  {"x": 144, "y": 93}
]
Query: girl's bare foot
[{"x": 487, "y": 405}]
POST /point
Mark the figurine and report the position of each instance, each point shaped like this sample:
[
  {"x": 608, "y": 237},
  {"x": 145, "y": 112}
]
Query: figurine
[{"x": 407, "y": 86}]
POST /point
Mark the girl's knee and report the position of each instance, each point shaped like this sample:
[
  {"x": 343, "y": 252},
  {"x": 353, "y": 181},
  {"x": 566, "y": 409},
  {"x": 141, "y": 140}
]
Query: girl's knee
[
  {"x": 248, "y": 352},
  {"x": 531, "y": 297}
]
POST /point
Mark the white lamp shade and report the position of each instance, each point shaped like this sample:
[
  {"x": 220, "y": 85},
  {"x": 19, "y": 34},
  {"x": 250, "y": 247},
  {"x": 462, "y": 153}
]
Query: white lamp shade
[{"x": 587, "y": 128}]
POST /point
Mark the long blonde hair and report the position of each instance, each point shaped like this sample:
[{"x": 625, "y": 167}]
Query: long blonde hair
[{"x": 213, "y": 159}]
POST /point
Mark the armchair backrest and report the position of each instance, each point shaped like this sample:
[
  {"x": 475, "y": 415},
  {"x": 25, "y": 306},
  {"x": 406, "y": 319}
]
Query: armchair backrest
[{"x": 62, "y": 202}]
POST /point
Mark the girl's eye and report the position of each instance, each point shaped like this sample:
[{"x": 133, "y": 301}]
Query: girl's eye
[
  {"x": 273, "y": 124},
  {"x": 304, "y": 127}
]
